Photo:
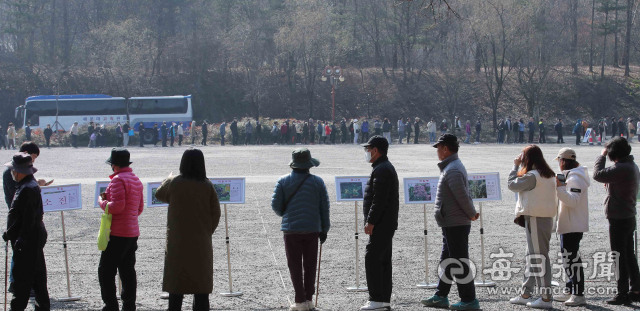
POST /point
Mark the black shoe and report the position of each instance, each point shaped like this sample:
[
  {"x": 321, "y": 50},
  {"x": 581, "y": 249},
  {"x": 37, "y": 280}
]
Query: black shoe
[
  {"x": 620, "y": 299},
  {"x": 32, "y": 294},
  {"x": 635, "y": 297}
]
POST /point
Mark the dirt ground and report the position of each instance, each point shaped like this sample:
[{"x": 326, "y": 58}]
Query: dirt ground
[{"x": 259, "y": 267}]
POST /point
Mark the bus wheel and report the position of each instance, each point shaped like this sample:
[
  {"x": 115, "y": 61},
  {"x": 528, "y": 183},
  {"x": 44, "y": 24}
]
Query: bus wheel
[{"x": 148, "y": 138}]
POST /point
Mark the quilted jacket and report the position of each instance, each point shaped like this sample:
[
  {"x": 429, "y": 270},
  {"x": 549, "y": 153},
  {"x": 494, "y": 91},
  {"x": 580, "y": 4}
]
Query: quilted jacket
[
  {"x": 308, "y": 210},
  {"x": 126, "y": 201}
]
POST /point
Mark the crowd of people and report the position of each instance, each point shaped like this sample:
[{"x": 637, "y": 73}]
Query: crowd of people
[{"x": 302, "y": 200}]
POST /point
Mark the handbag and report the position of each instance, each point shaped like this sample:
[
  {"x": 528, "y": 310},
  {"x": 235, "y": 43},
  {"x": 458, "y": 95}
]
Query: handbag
[
  {"x": 105, "y": 229},
  {"x": 131, "y": 132}
]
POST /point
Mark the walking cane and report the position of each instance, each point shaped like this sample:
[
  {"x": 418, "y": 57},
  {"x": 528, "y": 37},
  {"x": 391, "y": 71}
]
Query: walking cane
[
  {"x": 318, "y": 284},
  {"x": 6, "y": 260}
]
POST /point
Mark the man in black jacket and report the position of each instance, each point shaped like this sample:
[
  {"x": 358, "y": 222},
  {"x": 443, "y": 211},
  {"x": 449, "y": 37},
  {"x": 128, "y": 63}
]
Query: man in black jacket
[
  {"x": 234, "y": 131},
  {"x": 28, "y": 235},
  {"x": 558, "y": 129},
  {"x": 621, "y": 181},
  {"x": 47, "y": 134},
  {"x": 380, "y": 207},
  {"x": 163, "y": 132},
  {"x": 141, "y": 130},
  {"x": 532, "y": 130},
  {"x": 205, "y": 131}
]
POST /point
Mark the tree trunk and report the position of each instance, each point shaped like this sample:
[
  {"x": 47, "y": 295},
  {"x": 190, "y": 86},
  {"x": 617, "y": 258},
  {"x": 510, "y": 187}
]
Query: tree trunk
[
  {"x": 574, "y": 32},
  {"x": 65, "y": 22},
  {"x": 627, "y": 40},
  {"x": 478, "y": 59},
  {"x": 604, "y": 48},
  {"x": 593, "y": 14},
  {"x": 615, "y": 44}
]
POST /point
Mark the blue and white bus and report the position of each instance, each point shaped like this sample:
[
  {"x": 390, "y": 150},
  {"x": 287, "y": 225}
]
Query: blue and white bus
[{"x": 104, "y": 109}]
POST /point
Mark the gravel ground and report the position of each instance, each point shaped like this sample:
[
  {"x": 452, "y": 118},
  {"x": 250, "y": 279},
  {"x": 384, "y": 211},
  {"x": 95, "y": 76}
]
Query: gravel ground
[{"x": 258, "y": 259}]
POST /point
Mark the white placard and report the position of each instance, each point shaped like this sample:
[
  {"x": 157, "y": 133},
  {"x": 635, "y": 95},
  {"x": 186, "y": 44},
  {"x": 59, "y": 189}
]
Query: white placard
[
  {"x": 420, "y": 190},
  {"x": 61, "y": 198},
  {"x": 350, "y": 188},
  {"x": 485, "y": 187},
  {"x": 152, "y": 201},
  {"x": 587, "y": 134},
  {"x": 230, "y": 190},
  {"x": 101, "y": 187}
]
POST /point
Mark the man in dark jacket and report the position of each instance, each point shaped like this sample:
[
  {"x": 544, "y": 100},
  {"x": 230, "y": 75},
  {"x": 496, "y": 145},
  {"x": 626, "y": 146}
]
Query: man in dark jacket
[
  {"x": 454, "y": 212},
  {"x": 532, "y": 130},
  {"x": 622, "y": 128},
  {"x": 343, "y": 130},
  {"x": 558, "y": 129},
  {"x": 205, "y": 131},
  {"x": 380, "y": 207},
  {"x": 621, "y": 181},
  {"x": 163, "y": 133},
  {"x": 234, "y": 131},
  {"x": 614, "y": 127},
  {"x": 542, "y": 130},
  {"x": 28, "y": 235},
  {"x": 47, "y": 134},
  {"x": 416, "y": 129},
  {"x": 141, "y": 130},
  {"x": 27, "y": 130}
]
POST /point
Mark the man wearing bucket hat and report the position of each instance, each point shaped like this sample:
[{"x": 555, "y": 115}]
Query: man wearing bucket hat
[
  {"x": 125, "y": 201},
  {"x": 380, "y": 207},
  {"x": 28, "y": 235},
  {"x": 301, "y": 199}
]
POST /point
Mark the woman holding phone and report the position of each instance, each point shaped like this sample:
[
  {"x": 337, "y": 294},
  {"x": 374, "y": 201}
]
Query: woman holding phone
[{"x": 533, "y": 180}]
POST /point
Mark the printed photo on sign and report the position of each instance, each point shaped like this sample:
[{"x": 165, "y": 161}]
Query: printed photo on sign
[
  {"x": 61, "y": 198},
  {"x": 351, "y": 188},
  {"x": 485, "y": 186},
  {"x": 229, "y": 190},
  {"x": 420, "y": 190},
  {"x": 152, "y": 201},
  {"x": 101, "y": 187}
]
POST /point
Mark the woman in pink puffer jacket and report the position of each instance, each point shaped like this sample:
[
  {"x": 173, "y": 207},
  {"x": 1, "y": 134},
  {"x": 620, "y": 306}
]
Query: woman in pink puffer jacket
[{"x": 125, "y": 199}]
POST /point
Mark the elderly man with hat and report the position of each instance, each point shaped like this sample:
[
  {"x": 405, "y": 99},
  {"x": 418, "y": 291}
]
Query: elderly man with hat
[
  {"x": 380, "y": 208},
  {"x": 301, "y": 199},
  {"x": 28, "y": 235},
  {"x": 573, "y": 221},
  {"x": 454, "y": 212},
  {"x": 124, "y": 200}
]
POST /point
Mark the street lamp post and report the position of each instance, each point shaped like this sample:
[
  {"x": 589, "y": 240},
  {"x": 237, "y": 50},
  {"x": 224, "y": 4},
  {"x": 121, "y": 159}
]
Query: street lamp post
[{"x": 335, "y": 76}]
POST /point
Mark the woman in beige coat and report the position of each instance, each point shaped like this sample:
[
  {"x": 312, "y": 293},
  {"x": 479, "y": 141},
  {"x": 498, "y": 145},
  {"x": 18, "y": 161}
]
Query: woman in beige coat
[{"x": 194, "y": 212}]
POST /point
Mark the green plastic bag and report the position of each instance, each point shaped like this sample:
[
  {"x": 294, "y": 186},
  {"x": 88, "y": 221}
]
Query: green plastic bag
[{"x": 105, "y": 229}]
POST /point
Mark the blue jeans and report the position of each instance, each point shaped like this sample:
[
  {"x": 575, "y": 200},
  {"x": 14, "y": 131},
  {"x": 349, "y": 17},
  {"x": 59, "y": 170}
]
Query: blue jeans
[
  {"x": 400, "y": 136},
  {"x": 432, "y": 137},
  {"x": 467, "y": 140}
]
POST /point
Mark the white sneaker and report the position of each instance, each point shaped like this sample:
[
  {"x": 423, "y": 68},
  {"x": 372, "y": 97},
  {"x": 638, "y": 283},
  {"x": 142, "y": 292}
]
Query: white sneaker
[
  {"x": 575, "y": 301},
  {"x": 311, "y": 305},
  {"x": 373, "y": 305},
  {"x": 562, "y": 298},
  {"x": 299, "y": 306},
  {"x": 519, "y": 300},
  {"x": 541, "y": 304}
]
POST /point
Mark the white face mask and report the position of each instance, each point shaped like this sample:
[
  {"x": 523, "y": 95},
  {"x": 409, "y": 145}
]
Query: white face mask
[
  {"x": 367, "y": 156},
  {"x": 13, "y": 176}
]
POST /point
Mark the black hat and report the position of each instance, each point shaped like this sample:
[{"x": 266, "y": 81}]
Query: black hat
[
  {"x": 22, "y": 163},
  {"x": 301, "y": 158},
  {"x": 377, "y": 141},
  {"x": 119, "y": 157},
  {"x": 446, "y": 139}
]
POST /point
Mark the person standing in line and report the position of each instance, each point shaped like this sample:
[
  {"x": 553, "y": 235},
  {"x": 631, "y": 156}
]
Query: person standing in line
[
  {"x": 365, "y": 131},
  {"x": 234, "y": 131},
  {"x": 205, "y": 132},
  {"x": 542, "y": 130},
  {"x": 305, "y": 133},
  {"x": 632, "y": 130},
  {"x": 467, "y": 129},
  {"x": 248, "y": 131},
  {"x": 119, "y": 136},
  {"x": 400, "y": 130},
  {"x": 294, "y": 133},
  {"x": 614, "y": 127},
  {"x": 443, "y": 127},
  {"x": 558, "y": 128},
  {"x": 621, "y": 182},
  {"x": 343, "y": 130},
  {"x": 573, "y": 221},
  {"x": 47, "y": 135},
  {"x": 163, "y": 133},
  {"x": 125, "y": 131},
  {"x": 521, "y": 127},
  {"x": 125, "y": 201},
  {"x": 386, "y": 130},
  {"x": 172, "y": 132},
  {"x": 328, "y": 132},
  {"x": 509, "y": 129},
  {"x": 192, "y": 132},
  {"x": 3, "y": 142},
  {"x": 223, "y": 128},
  {"x": 380, "y": 207},
  {"x": 377, "y": 125},
  {"x": 283, "y": 133},
  {"x": 333, "y": 133},
  {"x": 299, "y": 133},
  {"x": 577, "y": 130},
  {"x": 454, "y": 212},
  {"x": 258, "y": 131},
  {"x": 320, "y": 131},
  {"x": 431, "y": 129},
  {"x": 356, "y": 130},
  {"x": 408, "y": 127},
  {"x": 478, "y": 129},
  {"x": 155, "y": 133},
  {"x": 28, "y": 236},
  {"x": 622, "y": 128},
  {"x": 192, "y": 218},
  {"x": 141, "y": 131},
  {"x": 638, "y": 128},
  {"x": 97, "y": 142},
  {"x": 534, "y": 182},
  {"x": 27, "y": 130},
  {"x": 103, "y": 133},
  {"x": 601, "y": 130},
  {"x": 351, "y": 130},
  {"x": 90, "y": 130},
  {"x": 180, "y": 133},
  {"x": 532, "y": 129},
  {"x": 456, "y": 124},
  {"x": 302, "y": 200},
  {"x": 74, "y": 134},
  {"x": 500, "y": 132},
  {"x": 312, "y": 132},
  {"x": 275, "y": 132},
  {"x": 416, "y": 129}
]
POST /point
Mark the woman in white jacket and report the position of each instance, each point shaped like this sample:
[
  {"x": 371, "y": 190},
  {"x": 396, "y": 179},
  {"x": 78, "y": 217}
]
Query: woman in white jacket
[
  {"x": 535, "y": 184},
  {"x": 573, "y": 221}
]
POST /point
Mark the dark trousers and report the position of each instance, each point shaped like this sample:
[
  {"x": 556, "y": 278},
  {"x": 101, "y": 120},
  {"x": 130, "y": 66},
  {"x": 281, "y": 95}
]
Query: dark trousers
[
  {"x": 477, "y": 136},
  {"x": 378, "y": 131},
  {"x": 415, "y": 140},
  {"x": 74, "y": 141},
  {"x": 30, "y": 271},
  {"x": 247, "y": 139},
  {"x": 204, "y": 139},
  {"x": 521, "y": 137},
  {"x": 234, "y": 138},
  {"x": 570, "y": 244},
  {"x": 365, "y": 137},
  {"x": 141, "y": 138},
  {"x": 530, "y": 136},
  {"x": 408, "y": 137},
  {"x": 377, "y": 262},
  {"x": 172, "y": 140},
  {"x": 542, "y": 139},
  {"x": 578, "y": 136},
  {"x": 302, "y": 256},
  {"x": 120, "y": 256},
  {"x": 47, "y": 139},
  {"x": 560, "y": 138},
  {"x": 179, "y": 140},
  {"x": 455, "y": 247},
  {"x": 221, "y": 140},
  {"x": 164, "y": 140},
  {"x": 200, "y": 302},
  {"x": 312, "y": 137},
  {"x": 193, "y": 139},
  {"x": 621, "y": 240}
]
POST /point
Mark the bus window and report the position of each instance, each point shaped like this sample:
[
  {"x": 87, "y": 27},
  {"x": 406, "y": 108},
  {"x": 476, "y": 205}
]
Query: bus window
[
  {"x": 158, "y": 106},
  {"x": 35, "y": 109}
]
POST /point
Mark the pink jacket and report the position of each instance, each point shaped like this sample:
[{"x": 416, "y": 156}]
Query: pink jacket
[{"x": 126, "y": 201}]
